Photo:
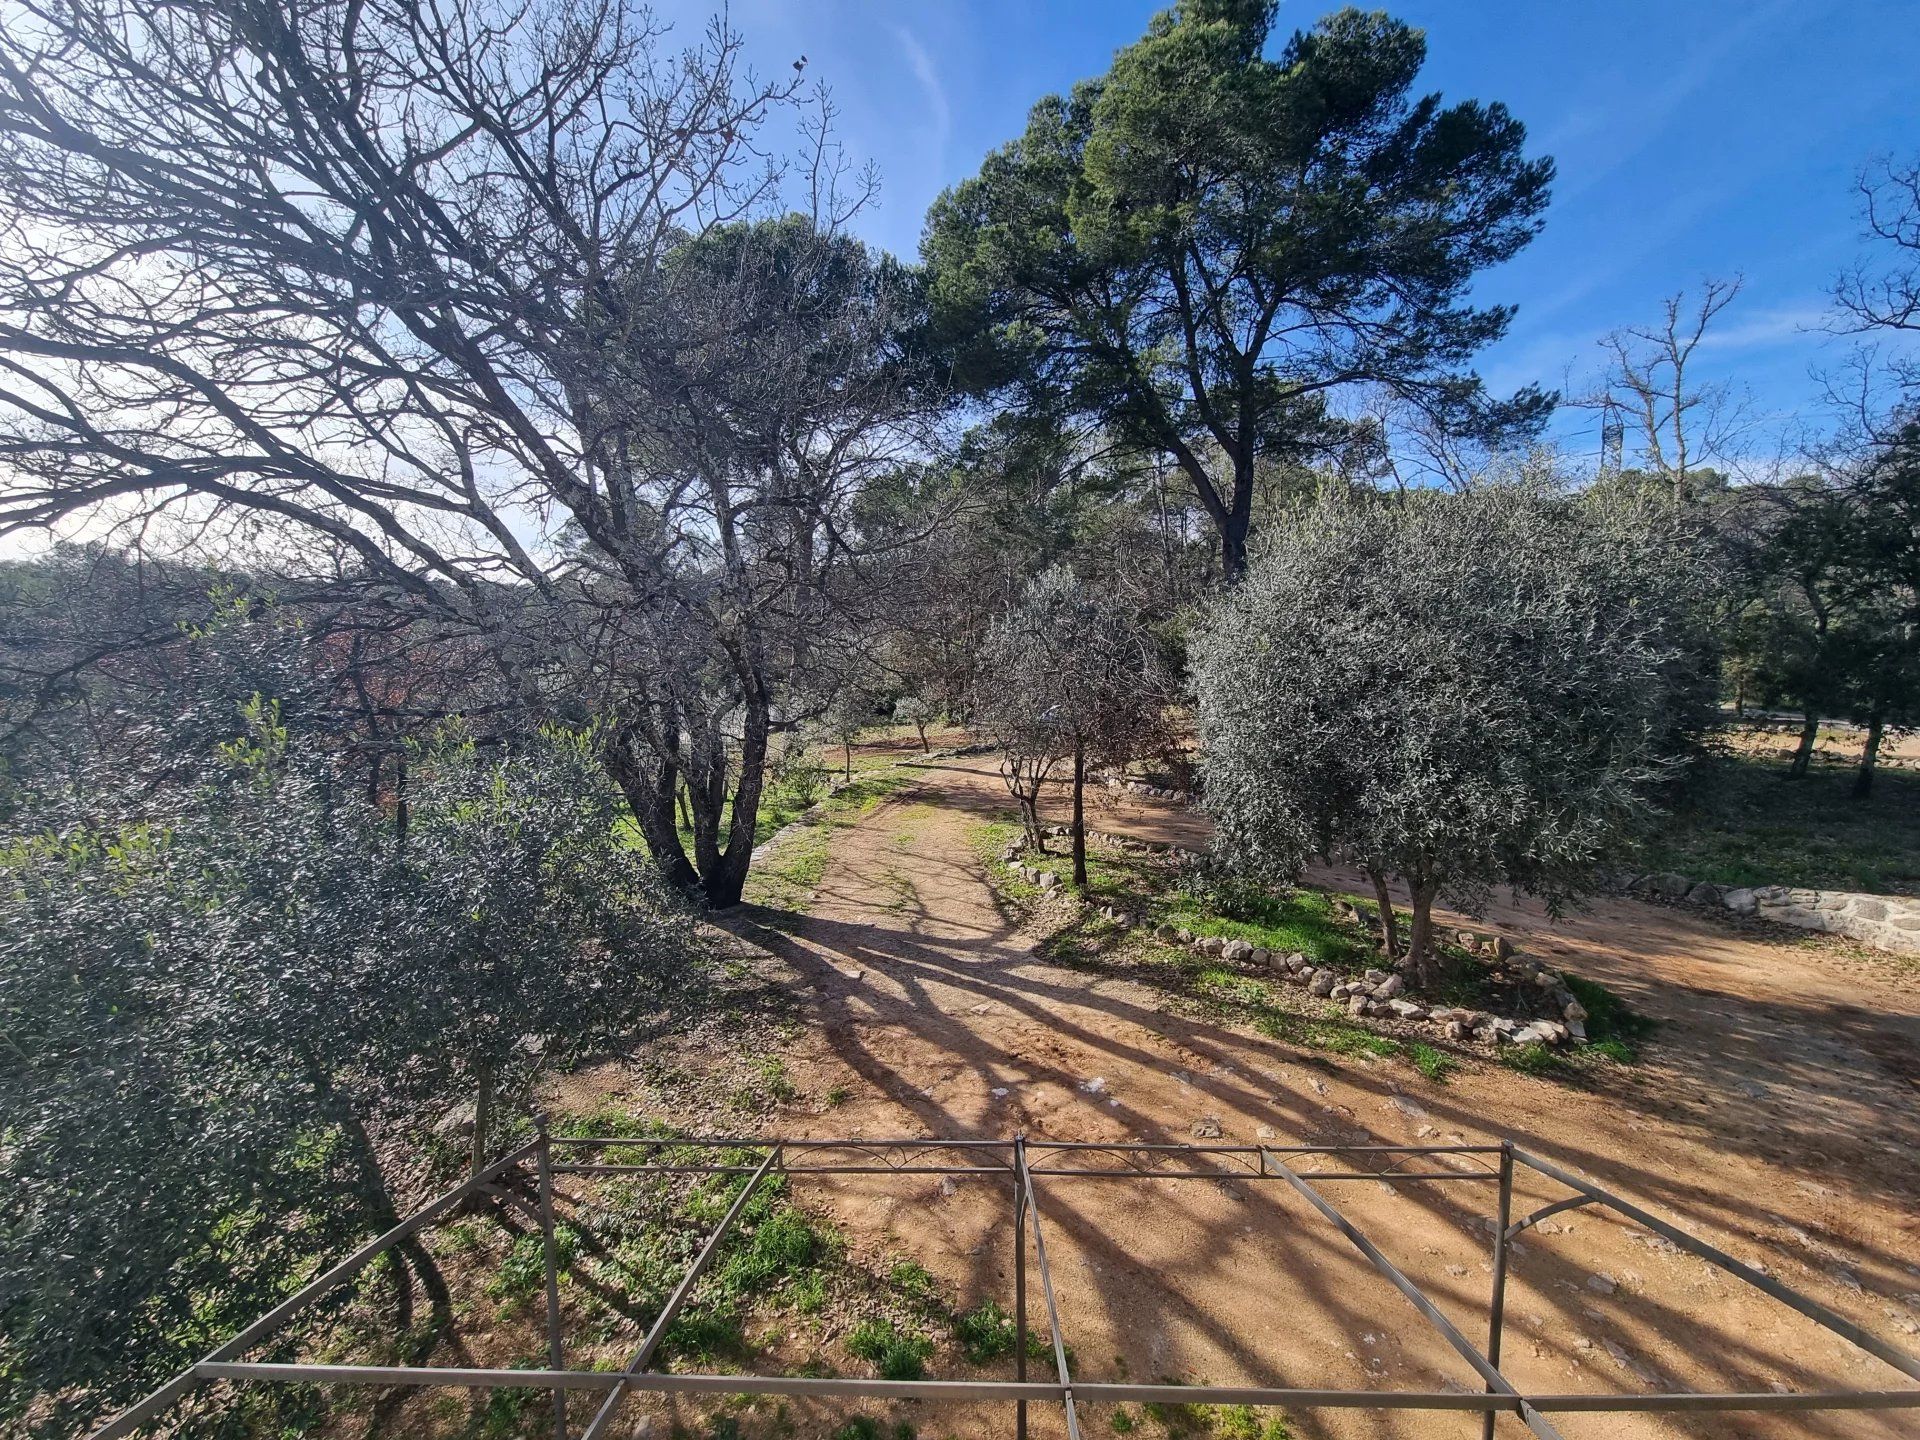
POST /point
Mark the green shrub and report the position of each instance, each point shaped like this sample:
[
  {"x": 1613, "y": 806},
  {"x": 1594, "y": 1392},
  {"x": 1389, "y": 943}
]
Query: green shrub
[
  {"x": 986, "y": 1333},
  {"x": 1534, "y": 1059},
  {"x": 523, "y": 1270},
  {"x": 897, "y": 1354},
  {"x": 913, "y": 1282}
]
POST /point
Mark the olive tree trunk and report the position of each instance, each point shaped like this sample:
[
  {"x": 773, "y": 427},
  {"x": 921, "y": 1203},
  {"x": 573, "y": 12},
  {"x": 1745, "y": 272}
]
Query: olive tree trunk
[
  {"x": 1079, "y": 816},
  {"x": 1803, "y": 753},
  {"x": 1421, "y": 955},
  {"x": 1869, "y": 757},
  {"x": 1389, "y": 929}
]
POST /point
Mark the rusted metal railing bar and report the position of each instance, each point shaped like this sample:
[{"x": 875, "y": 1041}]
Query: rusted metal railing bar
[
  {"x": 1527, "y": 1222},
  {"x": 162, "y": 1399},
  {"x": 1050, "y": 1172},
  {"x": 653, "y": 1382},
  {"x": 1046, "y": 1288},
  {"x": 1832, "y": 1320},
  {"x": 550, "y": 1258},
  {"x": 1092, "y": 1392},
  {"x": 1255, "y": 1150},
  {"x": 669, "y": 1312},
  {"x": 761, "y": 1142},
  {"x": 565, "y": 1167},
  {"x": 1419, "y": 1300}
]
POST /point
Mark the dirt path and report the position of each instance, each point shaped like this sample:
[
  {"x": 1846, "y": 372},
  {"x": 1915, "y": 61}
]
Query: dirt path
[{"x": 1776, "y": 1113}]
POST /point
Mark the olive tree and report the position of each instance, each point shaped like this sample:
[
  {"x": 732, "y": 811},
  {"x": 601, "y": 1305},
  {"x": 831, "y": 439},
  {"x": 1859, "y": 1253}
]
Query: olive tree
[
  {"x": 1067, "y": 675},
  {"x": 1460, "y": 690},
  {"x": 912, "y": 710},
  {"x": 847, "y": 710},
  {"x": 212, "y": 1011}
]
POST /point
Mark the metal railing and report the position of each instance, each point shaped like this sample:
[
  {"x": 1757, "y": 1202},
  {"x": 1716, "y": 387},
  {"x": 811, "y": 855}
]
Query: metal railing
[{"x": 1019, "y": 1162}]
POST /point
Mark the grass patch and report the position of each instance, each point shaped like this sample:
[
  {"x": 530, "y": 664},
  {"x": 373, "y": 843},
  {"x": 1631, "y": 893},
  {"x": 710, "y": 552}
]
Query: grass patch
[
  {"x": 1227, "y": 1422},
  {"x": 769, "y": 1086},
  {"x": 1286, "y": 921},
  {"x": 784, "y": 877},
  {"x": 1436, "y": 1065},
  {"x": 986, "y": 1333},
  {"x": 1742, "y": 822},
  {"x": 1613, "y": 1030},
  {"x": 523, "y": 1271},
  {"x": 1534, "y": 1059},
  {"x": 913, "y": 1283},
  {"x": 895, "y": 1353}
]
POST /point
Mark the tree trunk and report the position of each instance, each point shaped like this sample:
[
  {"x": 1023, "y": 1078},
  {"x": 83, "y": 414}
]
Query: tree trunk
[
  {"x": 402, "y": 806},
  {"x": 1869, "y": 757},
  {"x": 848, "y": 748},
  {"x": 1426, "y": 970},
  {"x": 727, "y": 880},
  {"x": 1233, "y": 547},
  {"x": 482, "y": 1116},
  {"x": 651, "y": 795},
  {"x": 924, "y": 747},
  {"x": 1237, "y": 523},
  {"x": 1389, "y": 931},
  {"x": 1079, "y": 817},
  {"x": 1803, "y": 755}
]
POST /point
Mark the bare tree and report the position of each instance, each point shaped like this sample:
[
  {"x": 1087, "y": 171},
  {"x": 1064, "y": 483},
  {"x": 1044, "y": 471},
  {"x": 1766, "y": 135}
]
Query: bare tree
[
  {"x": 488, "y": 303},
  {"x": 1066, "y": 675},
  {"x": 1886, "y": 297},
  {"x": 1680, "y": 423}
]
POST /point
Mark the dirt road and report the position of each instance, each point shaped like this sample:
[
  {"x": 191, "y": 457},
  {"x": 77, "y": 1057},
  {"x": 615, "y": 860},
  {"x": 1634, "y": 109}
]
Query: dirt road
[{"x": 1776, "y": 1113}]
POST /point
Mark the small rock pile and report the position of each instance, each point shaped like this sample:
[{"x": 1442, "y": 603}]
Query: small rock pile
[
  {"x": 1543, "y": 1011},
  {"x": 1382, "y": 994},
  {"x": 1889, "y": 922},
  {"x": 1141, "y": 787}
]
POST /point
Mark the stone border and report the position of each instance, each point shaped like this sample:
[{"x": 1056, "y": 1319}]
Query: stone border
[
  {"x": 1885, "y": 922},
  {"x": 1375, "y": 993}
]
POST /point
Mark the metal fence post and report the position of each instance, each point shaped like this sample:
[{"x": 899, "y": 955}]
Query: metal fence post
[
  {"x": 543, "y": 1156},
  {"x": 1497, "y": 1311},
  {"x": 1019, "y": 1281}
]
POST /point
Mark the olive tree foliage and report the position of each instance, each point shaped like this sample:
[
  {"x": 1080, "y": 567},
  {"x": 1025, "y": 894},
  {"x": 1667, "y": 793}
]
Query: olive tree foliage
[
  {"x": 1460, "y": 690},
  {"x": 1206, "y": 247},
  {"x": 1067, "y": 675},
  {"x": 215, "y": 997},
  {"x": 914, "y": 711},
  {"x": 850, "y": 709},
  {"x": 504, "y": 304}
]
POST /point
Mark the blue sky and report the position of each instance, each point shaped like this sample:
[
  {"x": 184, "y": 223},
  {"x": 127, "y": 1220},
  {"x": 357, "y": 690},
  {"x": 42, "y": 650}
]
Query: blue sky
[{"x": 1692, "y": 139}]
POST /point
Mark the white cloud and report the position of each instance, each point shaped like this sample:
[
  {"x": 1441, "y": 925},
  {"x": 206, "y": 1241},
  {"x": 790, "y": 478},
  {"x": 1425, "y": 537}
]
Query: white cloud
[
  {"x": 1783, "y": 325},
  {"x": 939, "y": 109}
]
